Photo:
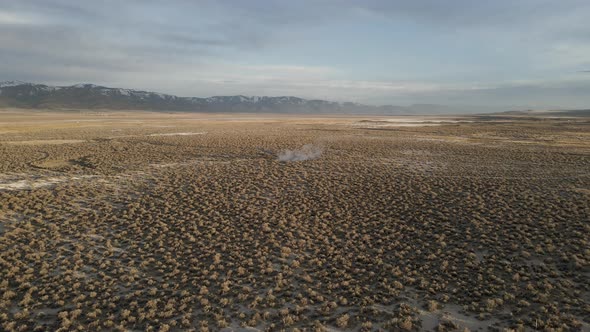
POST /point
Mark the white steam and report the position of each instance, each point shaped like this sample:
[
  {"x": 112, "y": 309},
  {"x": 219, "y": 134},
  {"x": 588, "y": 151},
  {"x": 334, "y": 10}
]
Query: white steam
[{"x": 307, "y": 152}]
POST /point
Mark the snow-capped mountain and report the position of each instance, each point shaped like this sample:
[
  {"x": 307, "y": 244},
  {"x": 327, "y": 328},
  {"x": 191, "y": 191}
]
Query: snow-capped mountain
[
  {"x": 90, "y": 96},
  {"x": 6, "y": 84}
]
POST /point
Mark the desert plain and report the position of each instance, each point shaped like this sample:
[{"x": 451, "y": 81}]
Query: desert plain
[{"x": 138, "y": 221}]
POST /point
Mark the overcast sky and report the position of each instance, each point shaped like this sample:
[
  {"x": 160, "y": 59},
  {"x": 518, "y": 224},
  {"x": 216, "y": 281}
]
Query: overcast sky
[{"x": 506, "y": 53}]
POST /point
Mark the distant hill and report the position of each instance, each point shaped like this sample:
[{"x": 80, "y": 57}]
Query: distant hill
[
  {"x": 552, "y": 113},
  {"x": 90, "y": 96}
]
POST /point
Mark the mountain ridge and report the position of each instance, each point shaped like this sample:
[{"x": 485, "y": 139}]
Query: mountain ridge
[
  {"x": 91, "y": 96},
  {"x": 20, "y": 94}
]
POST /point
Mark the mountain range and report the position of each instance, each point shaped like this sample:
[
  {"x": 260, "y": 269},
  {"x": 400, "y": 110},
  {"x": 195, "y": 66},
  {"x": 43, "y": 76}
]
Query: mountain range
[{"x": 89, "y": 96}]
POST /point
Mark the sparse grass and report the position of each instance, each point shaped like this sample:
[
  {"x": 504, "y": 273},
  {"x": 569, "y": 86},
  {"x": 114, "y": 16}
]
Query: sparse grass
[{"x": 204, "y": 232}]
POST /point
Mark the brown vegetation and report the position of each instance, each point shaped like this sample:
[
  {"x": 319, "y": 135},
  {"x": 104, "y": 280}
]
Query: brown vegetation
[{"x": 208, "y": 232}]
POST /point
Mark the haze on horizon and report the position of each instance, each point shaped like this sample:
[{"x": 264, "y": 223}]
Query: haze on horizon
[{"x": 513, "y": 54}]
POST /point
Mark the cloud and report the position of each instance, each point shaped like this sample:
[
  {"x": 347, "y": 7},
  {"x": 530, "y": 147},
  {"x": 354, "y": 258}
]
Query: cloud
[
  {"x": 374, "y": 51},
  {"x": 16, "y": 18}
]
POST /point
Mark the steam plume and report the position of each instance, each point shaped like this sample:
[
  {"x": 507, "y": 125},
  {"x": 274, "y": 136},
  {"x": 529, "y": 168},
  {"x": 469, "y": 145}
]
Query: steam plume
[{"x": 307, "y": 152}]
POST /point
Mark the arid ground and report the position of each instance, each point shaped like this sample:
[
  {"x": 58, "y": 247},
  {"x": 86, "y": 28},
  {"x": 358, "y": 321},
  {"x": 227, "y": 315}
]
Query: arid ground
[{"x": 132, "y": 221}]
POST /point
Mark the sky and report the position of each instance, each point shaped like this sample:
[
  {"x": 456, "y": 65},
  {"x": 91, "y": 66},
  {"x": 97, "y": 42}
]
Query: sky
[{"x": 503, "y": 53}]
